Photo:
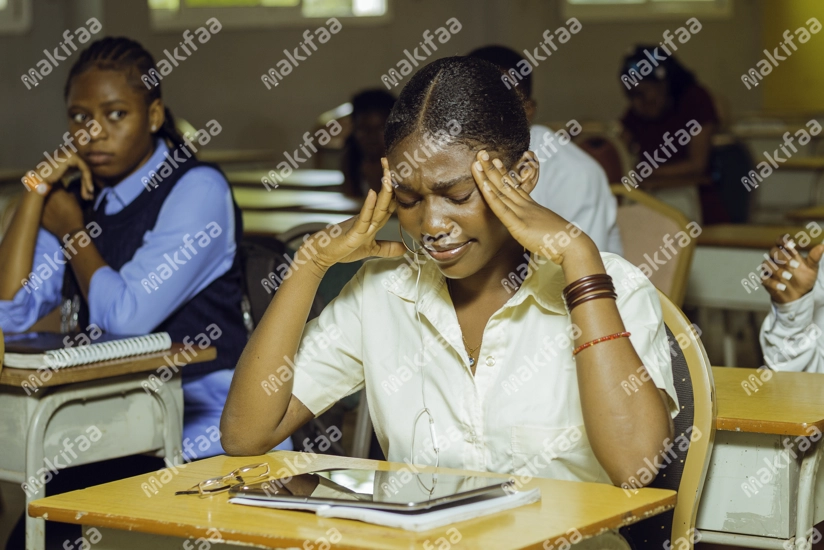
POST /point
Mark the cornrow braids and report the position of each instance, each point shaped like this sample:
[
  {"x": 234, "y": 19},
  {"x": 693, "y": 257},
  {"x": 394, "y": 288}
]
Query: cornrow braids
[
  {"x": 468, "y": 91},
  {"x": 127, "y": 56}
]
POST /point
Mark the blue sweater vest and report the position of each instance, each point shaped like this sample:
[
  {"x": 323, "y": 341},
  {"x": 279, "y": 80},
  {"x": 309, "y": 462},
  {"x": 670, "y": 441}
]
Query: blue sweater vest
[{"x": 219, "y": 303}]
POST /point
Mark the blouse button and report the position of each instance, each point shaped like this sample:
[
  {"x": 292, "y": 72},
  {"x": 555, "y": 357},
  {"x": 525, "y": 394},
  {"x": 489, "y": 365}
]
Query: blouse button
[{"x": 490, "y": 361}]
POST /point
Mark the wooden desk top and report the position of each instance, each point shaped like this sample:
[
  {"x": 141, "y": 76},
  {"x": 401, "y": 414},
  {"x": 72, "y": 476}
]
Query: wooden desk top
[
  {"x": 106, "y": 369},
  {"x": 236, "y": 156},
  {"x": 802, "y": 163},
  {"x": 589, "y": 507},
  {"x": 788, "y": 403},
  {"x": 298, "y": 179},
  {"x": 275, "y": 223},
  {"x": 750, "y": 236},
  {"x": 807, "y": 214},
  {"x": 301, "y": 201}
]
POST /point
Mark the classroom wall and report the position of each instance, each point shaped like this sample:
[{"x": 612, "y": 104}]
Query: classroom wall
[
  {"x": 796, "y": 85},
  {"x": 222, "y": 79}
]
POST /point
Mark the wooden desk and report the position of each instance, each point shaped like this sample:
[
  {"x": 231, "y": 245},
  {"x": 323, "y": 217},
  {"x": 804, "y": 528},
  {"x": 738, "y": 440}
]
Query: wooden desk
[
  {"x": 114, "y": 396},
  {"x": 789, "y": 403},
  {"x": 106, "y": 369},
  {"x": 298, "y": 201},
  {"x": 274, "y": 223},
  {"x": 814, "y": 213},
  {"x": 761, "y": 237},
  {"x": 298, "y": 179},
  {"x": 236, "y": 156},
  {"x": 124, "y": 514},
  {"x": 757, "y": 494}
]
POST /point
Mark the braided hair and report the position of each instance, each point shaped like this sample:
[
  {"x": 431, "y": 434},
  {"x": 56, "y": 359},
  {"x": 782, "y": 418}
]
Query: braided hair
[
  {"x": 127, "y": 56},
  {"x": 468, "y": 91}
]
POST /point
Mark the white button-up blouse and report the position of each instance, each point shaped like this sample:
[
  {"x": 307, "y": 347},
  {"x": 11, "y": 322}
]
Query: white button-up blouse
[{"x": 520, "y": 412}]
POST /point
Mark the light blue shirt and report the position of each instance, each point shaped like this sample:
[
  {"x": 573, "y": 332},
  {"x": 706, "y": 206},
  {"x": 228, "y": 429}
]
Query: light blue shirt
[{"x": 118, "y": 303}]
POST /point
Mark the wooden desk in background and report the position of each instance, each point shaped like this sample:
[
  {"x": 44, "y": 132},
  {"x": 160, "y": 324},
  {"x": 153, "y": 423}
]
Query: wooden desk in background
[
  {"x": 127, "y": 518},
  {"x": 236, "y": 156},
  {"x": 757, "y": 494},
  {"x": 318, "y": 180},
  {"x": 115, "y": 396},
  {"x": 813, "y": 213},
  {"x": 296, "y": 201}
]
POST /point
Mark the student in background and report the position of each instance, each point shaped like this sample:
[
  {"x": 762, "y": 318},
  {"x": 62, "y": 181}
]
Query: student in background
[
  {"x": 571, "y": 183},
  {"x": 791, "y": 335},
  {"x": 662, "y": 101},
  {"x": 361, "y": 164},
  {"x": 164, "y": 258}
]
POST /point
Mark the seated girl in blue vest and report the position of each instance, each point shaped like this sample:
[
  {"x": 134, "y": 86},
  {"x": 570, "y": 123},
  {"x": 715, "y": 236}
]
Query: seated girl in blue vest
[
  {"x": 148, "y": 235},
  {"x": 459, "y": 370}
]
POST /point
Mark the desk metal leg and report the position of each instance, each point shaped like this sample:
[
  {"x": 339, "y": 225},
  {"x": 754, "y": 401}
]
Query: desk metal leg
[
  {"x": 35, "y": 454},
  {"x": 806, "y": 495}
]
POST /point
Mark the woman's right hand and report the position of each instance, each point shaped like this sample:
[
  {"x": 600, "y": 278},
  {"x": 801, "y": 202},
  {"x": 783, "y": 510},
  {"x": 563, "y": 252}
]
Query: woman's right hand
[
  {"x": 357, "y": 237},
  {"x": 73, "y": 162}
]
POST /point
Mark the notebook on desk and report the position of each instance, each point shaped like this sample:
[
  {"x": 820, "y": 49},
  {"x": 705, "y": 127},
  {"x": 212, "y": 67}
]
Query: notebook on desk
[{"x": 34, "y": 350}]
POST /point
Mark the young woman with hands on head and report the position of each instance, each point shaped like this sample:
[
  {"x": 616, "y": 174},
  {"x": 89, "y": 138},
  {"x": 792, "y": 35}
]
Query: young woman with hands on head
[
  {"x": 451, "y": 325},
  {"x": 791, "y": 333}
]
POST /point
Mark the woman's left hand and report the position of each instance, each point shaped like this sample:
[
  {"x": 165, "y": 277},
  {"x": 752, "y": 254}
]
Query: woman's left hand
[{"x": 538, "y": 229}]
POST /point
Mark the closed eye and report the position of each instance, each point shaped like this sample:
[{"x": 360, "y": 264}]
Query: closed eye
[
  {"x": 461, "y": 200},
  {"x": 402, "y": 204}
]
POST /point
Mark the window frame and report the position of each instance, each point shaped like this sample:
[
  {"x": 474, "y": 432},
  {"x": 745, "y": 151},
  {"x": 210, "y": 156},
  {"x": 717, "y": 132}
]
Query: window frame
[
  {"x": 646, "y": 10},
  {"x": 16, "y": 17},
  {"x": 253, "y": 17}
]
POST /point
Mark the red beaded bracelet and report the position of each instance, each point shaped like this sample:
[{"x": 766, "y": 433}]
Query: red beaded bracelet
[{"x": 582, "y": 347}]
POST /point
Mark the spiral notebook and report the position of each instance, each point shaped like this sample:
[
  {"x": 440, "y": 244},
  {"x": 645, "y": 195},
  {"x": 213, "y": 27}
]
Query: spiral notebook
[{"x": 34, "y": 350}]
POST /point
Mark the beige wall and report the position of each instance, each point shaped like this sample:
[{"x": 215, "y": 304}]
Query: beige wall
[{"x": 222, "y": 79}]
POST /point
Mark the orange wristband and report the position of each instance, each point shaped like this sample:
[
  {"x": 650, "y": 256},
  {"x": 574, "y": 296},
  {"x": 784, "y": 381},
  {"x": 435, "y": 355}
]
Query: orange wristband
[
  {"x": 582, "y": 347},
  {"x": 35, "y": 183}
]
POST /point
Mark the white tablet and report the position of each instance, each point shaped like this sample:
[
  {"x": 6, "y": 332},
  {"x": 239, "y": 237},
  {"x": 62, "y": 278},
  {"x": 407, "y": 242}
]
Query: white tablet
[{"x": 392, "y": 491}]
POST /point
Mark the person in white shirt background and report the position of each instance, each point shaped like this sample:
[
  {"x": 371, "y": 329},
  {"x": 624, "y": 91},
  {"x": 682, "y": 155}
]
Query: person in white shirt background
[
  {"x": 571, "y": 183},
  {"x": 457, "y": 371},
  {"x": 791, "y": 333}
]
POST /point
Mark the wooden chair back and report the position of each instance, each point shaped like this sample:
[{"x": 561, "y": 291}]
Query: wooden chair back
[{"x": 644, "y": 223}]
